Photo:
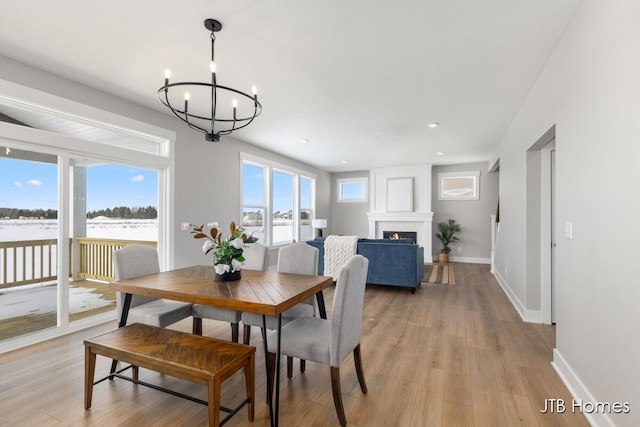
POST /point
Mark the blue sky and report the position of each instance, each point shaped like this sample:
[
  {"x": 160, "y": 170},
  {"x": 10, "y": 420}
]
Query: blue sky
[
  {"x": 33, "y": 185},
  {"x": 253, "y": 189}
]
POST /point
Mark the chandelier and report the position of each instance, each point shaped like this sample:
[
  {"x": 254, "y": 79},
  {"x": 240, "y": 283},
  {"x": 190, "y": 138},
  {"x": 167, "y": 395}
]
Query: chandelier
[{"x": 205, "y": 117}]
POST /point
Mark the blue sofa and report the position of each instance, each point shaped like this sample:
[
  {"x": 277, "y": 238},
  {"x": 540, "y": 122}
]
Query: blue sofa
[{"x": 391, "y": 262}]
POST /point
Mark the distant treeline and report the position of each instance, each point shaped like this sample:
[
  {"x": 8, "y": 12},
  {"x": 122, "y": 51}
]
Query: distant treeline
[
  {"x": 135, "y": 212},
  {"x": 13, "y": 213}
]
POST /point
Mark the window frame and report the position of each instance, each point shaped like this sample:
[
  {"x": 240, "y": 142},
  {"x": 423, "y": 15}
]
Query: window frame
[
  {"x": 358, "y": 180},
  {"x": 269, "y": 167}
]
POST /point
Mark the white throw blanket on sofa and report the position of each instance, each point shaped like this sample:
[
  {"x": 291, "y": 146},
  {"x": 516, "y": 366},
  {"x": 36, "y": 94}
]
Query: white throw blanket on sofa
[{"x": 337, "y": 251}]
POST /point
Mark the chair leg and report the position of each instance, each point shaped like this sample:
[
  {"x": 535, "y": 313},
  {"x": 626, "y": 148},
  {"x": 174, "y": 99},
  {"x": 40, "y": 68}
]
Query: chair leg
[
  {"x": 289, "y": 367},
  {"x": 359, "y": 372},
  {"x": 303, "y": 365},
  {"x": 246, "y": 334},
  {"x": 234, "y": 332},
  {"x": 337, "y": 395},
  {"x": 197, "y": 326}
]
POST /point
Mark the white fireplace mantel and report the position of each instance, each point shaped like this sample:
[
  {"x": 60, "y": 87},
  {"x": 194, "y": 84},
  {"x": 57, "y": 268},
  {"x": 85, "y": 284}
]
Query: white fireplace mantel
[{"x": 424, "y": 227}]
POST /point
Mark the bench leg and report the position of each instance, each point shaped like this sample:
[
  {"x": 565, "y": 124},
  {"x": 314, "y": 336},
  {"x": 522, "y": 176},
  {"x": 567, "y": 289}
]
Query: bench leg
[
  {"x": 213, "y": 390},
  {"x": 249, "y": 376},
  {"x": 89, "y": 371}
]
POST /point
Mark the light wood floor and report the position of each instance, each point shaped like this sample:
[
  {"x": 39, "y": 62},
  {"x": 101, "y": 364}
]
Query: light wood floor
[{"x": 450, "y": 355}]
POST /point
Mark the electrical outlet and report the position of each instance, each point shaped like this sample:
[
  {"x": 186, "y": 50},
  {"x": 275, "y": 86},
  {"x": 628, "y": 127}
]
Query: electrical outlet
[{"x": 459, "y": 249}]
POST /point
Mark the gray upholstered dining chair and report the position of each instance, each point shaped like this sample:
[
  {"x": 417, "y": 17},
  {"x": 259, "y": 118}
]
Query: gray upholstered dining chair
[
  {"x": 139, "y": 260},
  {"x": 297, "y": 258},
  {"x": 330, "y": 341},
  {"x": 255, "y": 256}
]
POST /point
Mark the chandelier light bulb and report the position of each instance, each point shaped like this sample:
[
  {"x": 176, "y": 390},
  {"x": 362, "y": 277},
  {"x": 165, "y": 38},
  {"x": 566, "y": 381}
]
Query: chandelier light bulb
[
  {"x": 234, "y": 103},
  {"x": 212, "y": 66},
  {"x": 187, "y": 96},
  {"x": 254, "y": 89},
  {"x": 167, "y": 73}
]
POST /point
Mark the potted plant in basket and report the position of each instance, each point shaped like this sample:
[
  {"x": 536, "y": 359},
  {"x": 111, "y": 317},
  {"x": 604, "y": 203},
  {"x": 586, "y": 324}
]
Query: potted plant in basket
[
  {"x": 227, "y": 253},
  {"x": 447, "y": 234}
]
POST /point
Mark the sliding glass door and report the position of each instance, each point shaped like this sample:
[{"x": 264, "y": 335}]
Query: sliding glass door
[
  {"x": 114, "y": 205},
  {"x": 29, "y": 246}
]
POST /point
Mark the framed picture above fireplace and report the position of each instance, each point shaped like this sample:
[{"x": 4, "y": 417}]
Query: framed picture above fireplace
[{"x": 400, "y": 194}]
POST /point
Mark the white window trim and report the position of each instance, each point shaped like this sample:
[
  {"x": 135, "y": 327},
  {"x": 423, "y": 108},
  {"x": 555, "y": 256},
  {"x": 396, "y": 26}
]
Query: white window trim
[
  {"x": 359, "y": 180},
  {"x": 271, "y": 166},
  {"x": 469, "y": 174}
]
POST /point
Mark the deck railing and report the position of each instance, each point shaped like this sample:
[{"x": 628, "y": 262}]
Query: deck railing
[
  {"x": 96, "y": 256},
  {"x": 36, "y": 261},
  {"x": 28, "y": 261}
]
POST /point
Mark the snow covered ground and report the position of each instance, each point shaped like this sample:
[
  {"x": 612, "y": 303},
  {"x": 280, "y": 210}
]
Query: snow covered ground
[{"x": 32, "y": 229}]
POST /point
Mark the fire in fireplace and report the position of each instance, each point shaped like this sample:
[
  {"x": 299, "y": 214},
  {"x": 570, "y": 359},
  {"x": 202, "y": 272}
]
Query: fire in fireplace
[{"x": 410, "y": 235}]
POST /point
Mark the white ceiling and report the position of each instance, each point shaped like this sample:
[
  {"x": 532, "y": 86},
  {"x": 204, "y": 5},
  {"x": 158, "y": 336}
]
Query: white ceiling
[{"x": 360, "y": 79}]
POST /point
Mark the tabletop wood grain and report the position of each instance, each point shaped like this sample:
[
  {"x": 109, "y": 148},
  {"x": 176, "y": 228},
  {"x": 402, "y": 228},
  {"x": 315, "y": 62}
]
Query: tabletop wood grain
[{"x": 262, "y": 292}]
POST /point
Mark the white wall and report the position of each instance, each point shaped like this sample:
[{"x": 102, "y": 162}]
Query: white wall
[
  {"x": 348, "y": 218},
  {"x": 589, "y": 90},
  {"x": 472, "y": 215},
  {"x": 421, "y": 175}
]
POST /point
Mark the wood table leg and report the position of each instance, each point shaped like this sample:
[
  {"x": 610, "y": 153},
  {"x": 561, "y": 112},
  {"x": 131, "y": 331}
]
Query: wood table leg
[
  {"x": 250, "y": 381},
  {"x": 214, "y": 402}
]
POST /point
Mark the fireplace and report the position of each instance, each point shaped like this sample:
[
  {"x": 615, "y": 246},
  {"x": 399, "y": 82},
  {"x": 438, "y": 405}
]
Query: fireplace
[
  {"x": 411, "y": 235},
  {"x": 417, "y": 222}
]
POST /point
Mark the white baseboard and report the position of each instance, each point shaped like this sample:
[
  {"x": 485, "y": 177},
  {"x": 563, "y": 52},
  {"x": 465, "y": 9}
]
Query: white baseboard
[
  {"x": 578, "y": 390},
  {"x": 470, "y": 260},
  {"x": 530, "y": 316}
]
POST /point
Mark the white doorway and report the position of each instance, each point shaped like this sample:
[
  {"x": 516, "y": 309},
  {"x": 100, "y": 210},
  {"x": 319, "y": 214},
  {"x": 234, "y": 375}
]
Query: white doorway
[
  {"x": 548, "y": 234},
  {"x": 540, "y": 212}
]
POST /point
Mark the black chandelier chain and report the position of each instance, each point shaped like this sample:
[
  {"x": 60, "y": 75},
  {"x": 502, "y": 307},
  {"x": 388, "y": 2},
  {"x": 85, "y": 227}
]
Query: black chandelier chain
[{"x": 218, "y": 126}]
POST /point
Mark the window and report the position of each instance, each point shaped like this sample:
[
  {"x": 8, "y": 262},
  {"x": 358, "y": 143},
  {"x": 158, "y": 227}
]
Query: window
[
  {"x": 306, "y": 208},
  {"x": 278, "y": 202},
  {"x": 60, "y": 173},
  {"x": 459, "y": 185},
  {"x": 254, "y": 204},
  {"x": 352, "y": 190},
  {"x": 282, "y": 217}
]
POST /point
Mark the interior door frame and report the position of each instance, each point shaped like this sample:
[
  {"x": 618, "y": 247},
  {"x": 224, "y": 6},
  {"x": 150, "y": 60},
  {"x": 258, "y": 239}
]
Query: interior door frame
[{"x": 547, "y": 230}]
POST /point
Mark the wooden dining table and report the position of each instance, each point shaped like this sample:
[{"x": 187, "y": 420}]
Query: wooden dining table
[{"x": 264, "y": 292}]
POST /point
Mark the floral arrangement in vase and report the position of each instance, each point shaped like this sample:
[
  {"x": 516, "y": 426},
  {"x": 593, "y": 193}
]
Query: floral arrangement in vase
[{"x": 227, "y": 252}]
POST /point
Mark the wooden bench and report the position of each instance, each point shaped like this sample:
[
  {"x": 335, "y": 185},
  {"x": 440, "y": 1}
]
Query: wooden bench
[{"x": 198, "y": 359}]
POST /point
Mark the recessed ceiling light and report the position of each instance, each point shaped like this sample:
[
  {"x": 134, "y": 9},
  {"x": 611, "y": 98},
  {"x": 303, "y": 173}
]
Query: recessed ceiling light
[
  {"x": 440, "y": 153},
  {"x": 345, "y": 161},
  {"x": 303, "y": 140},
  {"x": 433, "y": 125}
]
